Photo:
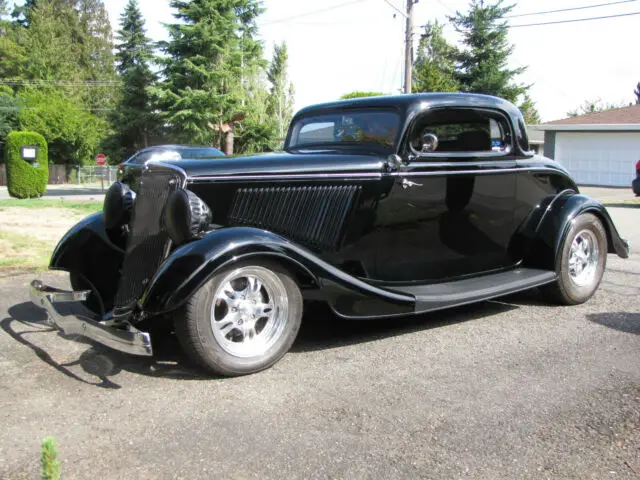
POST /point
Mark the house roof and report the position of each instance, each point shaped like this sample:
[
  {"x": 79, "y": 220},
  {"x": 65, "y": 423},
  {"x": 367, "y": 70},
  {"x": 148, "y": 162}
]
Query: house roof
[
  {"x": 617, "y": 116},
  {"x": 536, "y": 134}
]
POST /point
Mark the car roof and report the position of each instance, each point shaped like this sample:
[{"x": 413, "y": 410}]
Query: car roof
[{"x": 416, "y": 102}]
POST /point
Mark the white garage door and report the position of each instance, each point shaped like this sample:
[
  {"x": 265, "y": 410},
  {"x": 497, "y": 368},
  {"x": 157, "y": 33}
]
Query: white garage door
[{"x": 599, "y": 158}]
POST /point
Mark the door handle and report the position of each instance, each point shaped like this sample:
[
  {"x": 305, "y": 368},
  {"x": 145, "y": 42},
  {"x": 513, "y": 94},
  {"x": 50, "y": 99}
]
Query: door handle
[{"x": 408, "y": 183}]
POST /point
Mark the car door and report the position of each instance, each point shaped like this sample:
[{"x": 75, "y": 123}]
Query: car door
[{"x": 450, "y": 211}]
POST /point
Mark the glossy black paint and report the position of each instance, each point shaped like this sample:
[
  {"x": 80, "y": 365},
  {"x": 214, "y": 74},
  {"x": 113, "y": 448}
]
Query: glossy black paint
[
  {"x": 190, "y": 266},
  {"x": 419, "y": 225},
  {"x": 93, "y": 254}
]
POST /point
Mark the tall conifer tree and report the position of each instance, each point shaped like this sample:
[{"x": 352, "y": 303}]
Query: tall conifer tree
[
  {"x": 208, "y": 57},
  {"x": 136, "y": 120},
  {"x": 281, "y": 98},
  {"x": 482, "y": 64},
  {"x": 434, "y": 68}
]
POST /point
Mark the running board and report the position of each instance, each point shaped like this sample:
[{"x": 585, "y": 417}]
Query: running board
[{"x": 461, "y": 292}]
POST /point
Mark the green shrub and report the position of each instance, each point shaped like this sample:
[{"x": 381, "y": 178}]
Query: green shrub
[
  {"x": 50, "y": 467},
  {"x": 23, "y": 179}
]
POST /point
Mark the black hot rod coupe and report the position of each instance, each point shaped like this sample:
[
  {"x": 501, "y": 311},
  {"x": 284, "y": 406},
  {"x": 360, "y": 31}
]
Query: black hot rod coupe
[{"x": 380, "y": 207}]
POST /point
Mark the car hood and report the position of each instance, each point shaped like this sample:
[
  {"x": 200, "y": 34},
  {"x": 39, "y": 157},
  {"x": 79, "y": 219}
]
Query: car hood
[{"x": 282, "y": 163}]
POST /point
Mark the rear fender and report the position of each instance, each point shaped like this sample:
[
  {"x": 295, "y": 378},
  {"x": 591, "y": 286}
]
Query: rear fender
[
  {"x": 554, "y": 225},
  {"x": 189, "y": 267}
]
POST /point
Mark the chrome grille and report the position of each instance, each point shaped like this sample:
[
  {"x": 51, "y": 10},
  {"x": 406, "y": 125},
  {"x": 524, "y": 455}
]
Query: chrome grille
[
  {"x": 313, "y": 215},
  {"x": 148, "y": 243}
]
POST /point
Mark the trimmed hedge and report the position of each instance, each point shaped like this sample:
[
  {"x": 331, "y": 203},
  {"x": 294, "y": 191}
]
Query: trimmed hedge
[{"x": 23, "y": 179}]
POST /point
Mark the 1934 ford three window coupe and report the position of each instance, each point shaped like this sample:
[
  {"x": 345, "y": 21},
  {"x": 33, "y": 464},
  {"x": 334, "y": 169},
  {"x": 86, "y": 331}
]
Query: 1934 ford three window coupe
[{"x": 380, "y": 207}]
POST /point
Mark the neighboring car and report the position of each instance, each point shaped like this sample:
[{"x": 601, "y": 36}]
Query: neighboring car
[
  {"x": 130, "y": 170},
  {"x": 635, "y": 184},
  {"x": 380, "y": 207}
]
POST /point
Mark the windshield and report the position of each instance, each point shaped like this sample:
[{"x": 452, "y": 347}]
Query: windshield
[{"x": 377, "y": 128}]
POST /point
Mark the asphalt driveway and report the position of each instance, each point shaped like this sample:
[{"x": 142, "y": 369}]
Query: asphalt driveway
[{"x": 500, "y": 390}]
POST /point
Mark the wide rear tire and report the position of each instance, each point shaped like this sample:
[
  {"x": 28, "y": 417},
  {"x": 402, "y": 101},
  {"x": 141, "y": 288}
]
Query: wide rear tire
[
  {"x": 581, "y": 262},
  {"x": 243, "y": 320}
]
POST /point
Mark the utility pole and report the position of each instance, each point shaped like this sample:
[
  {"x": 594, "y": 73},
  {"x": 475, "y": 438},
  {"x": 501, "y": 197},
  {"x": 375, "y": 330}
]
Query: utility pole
[{"x": 408, "y": 57}]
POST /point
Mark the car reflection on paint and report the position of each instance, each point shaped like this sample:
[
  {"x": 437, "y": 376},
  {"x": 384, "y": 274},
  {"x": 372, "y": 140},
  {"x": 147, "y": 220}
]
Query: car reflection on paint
[{"x": 130, "y": 170}]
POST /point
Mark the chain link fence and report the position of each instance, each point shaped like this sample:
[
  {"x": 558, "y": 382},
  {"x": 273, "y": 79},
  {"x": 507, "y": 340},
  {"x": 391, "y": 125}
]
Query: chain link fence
[{"x": 95, "y": 174}]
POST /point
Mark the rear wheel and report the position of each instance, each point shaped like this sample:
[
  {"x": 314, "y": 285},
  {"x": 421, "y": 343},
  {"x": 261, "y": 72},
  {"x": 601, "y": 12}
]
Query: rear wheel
[
  {"x": 242, "y": 320},
  {"x": 581, "y": 262}
]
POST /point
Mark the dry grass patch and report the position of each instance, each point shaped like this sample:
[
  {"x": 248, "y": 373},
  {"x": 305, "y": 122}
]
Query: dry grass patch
[{"x": 29, "y": 234}]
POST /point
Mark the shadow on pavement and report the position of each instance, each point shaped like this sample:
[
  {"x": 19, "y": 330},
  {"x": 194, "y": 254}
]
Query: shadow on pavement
[
  {"x": 320, "y": 330},
  {"x": 27, "y": 320},
  {"x": 622, "y": 321}
]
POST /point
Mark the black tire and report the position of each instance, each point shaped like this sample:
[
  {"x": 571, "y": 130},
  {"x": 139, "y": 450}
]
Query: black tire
[
  {"x": 566, "y": 290},
  {"x": 194, "y": 324}
]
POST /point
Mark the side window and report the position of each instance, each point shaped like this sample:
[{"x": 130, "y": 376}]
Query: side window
[
  {"x": 461, "y": 132},
  {"x": 321, "y": 132}
]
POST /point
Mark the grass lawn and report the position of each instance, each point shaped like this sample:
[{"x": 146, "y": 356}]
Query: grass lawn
[
  {"x": 30, "y": 230},
  {"x": 37, "y": 203}
]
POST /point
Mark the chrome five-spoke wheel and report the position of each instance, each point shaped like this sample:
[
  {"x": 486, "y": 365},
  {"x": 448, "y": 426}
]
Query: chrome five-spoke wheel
[
  {"x": 583, "y": 258},
  {"x": 250, "y": 311},
  {"x": 580, "y": 262},
  {"x": 243, "y": 320}
]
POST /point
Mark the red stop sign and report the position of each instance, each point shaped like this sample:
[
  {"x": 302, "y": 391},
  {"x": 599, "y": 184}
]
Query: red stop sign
[{"x": 101, "y": 159}]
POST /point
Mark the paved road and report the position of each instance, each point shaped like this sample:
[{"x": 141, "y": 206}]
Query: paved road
[
  {"x": 67, "y": 192},
  {"x": 500, "y": 390}
]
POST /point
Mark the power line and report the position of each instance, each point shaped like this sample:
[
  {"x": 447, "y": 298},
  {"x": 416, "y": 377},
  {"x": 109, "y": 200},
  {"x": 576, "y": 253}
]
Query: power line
[
  {"x": 569, "y": 9},
  {"x": 88, "y": 83},
  {"x": 322, "y": 10},
  {"x": 575, "y": 20},
  {"x": 395, "y": 8}
]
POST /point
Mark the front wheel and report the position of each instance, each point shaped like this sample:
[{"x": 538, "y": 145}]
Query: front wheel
[
  {"x": 581, "y": 262},
  {"x": 242, "y": 320}
]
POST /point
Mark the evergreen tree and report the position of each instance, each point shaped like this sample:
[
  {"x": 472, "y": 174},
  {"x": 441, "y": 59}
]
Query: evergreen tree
[
  {"x": 637, "y": 93},
  {"x": 96, "y": 59},
  {"x": 209, "y": 54},
  {"x": 259, "y": 131},
  {"x": 281, "y": 99},
  {"x": 434, "y": 68},
  {"x": 529, "y": 111},
  {"x": 135, "y": 118},
  {"x": 482, "y": 65}
]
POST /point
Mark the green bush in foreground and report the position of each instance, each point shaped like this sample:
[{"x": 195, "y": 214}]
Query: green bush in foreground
[
  {"x": 49, "y": 460},
  {"x": 25, "y": 180}
]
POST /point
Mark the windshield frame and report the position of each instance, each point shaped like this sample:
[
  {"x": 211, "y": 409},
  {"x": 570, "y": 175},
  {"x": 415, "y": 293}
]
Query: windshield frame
[{"x": 300, "y": 121}]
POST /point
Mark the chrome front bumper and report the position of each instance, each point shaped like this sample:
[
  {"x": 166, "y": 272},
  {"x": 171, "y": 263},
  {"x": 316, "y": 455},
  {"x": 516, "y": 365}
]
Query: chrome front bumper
[{"x": 129, "y": 340}]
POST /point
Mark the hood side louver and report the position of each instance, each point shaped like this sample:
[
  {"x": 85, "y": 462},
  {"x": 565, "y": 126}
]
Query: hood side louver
[{"x": 314, "y": 216}]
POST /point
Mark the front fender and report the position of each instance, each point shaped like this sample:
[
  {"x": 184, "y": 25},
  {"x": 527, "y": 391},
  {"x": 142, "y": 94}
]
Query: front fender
[
  {"x": 189, "y": 267},
  {"x": 555, "y": 223},
  {"x": 88, "y": 252}
]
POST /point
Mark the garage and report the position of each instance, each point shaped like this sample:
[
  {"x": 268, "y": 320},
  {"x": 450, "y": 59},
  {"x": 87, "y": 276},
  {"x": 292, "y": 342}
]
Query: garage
[{"x": 599, "y": 149}]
